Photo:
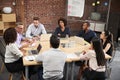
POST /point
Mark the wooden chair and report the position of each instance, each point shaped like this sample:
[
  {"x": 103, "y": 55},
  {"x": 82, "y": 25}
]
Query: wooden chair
[
  {"x": 11, "y": 76},
  {"x": 2, "y": 54}
]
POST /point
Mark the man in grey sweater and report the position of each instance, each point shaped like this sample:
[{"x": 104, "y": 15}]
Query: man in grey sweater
[{"x": 53, "y": 60}]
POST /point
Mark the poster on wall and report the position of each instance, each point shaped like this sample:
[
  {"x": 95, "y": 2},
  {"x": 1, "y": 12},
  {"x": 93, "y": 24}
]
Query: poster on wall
[{"x": 75, "y": 8}]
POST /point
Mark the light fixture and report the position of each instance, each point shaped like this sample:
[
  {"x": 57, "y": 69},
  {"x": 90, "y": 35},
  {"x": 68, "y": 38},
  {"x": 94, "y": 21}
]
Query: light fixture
[
  {"x": 106, "y": 3},
  {"x": 13, "y": 3},
  {"x": 98, "y": 2},
  {"x": 93, "y": 4}
]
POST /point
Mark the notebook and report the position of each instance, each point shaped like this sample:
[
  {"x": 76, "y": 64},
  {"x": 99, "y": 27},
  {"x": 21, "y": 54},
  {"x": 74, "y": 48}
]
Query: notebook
[{"x": 36, "y": 51}]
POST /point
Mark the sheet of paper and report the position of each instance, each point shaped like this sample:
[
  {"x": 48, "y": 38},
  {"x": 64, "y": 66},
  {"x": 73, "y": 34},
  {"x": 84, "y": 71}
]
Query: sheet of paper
[
  {"x": 30, "y": 58},
  {"x": 76, "y": 8},
  {"x": 72, "y": 55}
]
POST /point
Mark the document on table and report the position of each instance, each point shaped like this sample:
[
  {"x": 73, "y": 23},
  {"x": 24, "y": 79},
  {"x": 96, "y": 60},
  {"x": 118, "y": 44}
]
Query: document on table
[
  {"x": 30, "y": 58},
  {"x": 72, "y": 55}
]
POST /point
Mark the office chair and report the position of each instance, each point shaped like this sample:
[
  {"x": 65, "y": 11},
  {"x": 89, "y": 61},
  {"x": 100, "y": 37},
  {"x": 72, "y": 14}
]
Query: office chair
[
  {"x": 108, "y": 64},
  {"x": 2, "y": 52}
]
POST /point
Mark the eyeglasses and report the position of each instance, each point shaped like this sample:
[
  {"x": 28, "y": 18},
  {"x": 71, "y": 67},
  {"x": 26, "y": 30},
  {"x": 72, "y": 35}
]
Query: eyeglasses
[{"x": 20, "y": 28}]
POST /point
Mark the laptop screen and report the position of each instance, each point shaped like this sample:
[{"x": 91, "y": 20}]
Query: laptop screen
[{"x": 39, "y": 48}]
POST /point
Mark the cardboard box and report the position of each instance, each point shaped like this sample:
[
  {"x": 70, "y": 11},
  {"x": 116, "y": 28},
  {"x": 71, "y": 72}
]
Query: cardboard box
[{"x": 8, "y": 17}]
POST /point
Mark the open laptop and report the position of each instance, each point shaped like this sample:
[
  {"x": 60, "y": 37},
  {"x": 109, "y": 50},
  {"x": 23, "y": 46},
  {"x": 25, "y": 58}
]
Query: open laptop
[{"x": 36, "y": 51}]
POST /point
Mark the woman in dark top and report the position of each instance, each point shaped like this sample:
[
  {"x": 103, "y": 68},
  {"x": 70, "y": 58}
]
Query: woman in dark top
[
  {"x": 106, "y": 38},
  {"x": 62, "y": 31}
]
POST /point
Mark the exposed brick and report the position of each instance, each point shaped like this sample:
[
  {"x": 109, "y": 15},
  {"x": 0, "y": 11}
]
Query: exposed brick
[{"x": 49, "y": 11}]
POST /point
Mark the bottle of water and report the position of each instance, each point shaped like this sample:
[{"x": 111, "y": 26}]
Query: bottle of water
[{"x": 67, "y": 38}]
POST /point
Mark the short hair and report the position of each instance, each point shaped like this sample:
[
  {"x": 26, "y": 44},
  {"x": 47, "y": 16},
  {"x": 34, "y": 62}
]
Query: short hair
[
  {"x": 64, "y": 21},
  {"x": 88, "y": 24},
  {"x": 54, "y": 41},
  {"x": 36, "y": 18},
  {"x": 19, "y": 23},
  {"x": 10, "y": 35}
]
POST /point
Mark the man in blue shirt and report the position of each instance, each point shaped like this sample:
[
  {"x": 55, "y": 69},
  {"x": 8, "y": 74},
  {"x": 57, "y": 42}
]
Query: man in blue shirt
[{"x": 86, "y": 33}]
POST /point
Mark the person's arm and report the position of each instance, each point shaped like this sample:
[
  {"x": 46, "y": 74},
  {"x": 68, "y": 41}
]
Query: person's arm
[
  {"x": 107, "y": 47},
  {"x": 15, "y": 50},
  {"x": 43, "y": 29},
  {"x": 39, "y": 57},
  {"x": 85, "y": 56},
  {"x": 93, "y": 34},
  {"x": 80, "y": 34},
  {"x": 24, "y": 45},
  {"x": 68, "y": 31},
  {"x": 28, "y": 32},
  {"x": 56, "y": 31}
]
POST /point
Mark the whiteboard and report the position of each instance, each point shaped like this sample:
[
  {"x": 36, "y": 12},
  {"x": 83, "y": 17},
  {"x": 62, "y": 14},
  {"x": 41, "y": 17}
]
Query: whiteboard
[{"x": 75, "y": 8}]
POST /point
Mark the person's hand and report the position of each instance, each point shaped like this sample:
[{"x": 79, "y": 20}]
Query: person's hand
[
  {"x": 24, "y": 52},
  {"x": 28, "y": 40},
  {"x": 36, "y": 38},
  {"x": 83, "y": 52},
  {"x": 24, "y": 44},
  {"x": 59, "y": 34}
]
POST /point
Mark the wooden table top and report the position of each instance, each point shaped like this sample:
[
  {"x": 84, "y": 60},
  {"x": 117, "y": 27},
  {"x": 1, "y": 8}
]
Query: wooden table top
[{"x": 76, "y": 45}]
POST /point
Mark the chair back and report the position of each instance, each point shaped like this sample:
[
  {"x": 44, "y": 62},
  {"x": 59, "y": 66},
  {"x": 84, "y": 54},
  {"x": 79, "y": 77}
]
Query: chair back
[
  {"x": 2, "y": 48},
  {"x": 113, "y": 50}
]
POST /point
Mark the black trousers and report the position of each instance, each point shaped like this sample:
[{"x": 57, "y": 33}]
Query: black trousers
[
  {"x": 93, "y": 75},
  {"x": 16, "y": 66}
]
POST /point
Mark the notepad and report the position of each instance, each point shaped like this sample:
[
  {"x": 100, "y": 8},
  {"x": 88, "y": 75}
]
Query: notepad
[
  {"x": 30, "y": 58},
  {"x": 72, "y": 55}
]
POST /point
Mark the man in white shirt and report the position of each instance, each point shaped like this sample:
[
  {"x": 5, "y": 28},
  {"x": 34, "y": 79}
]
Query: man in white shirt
[
  {"x": 35, "y": 29},
  {"x": 53, "y": 60}
]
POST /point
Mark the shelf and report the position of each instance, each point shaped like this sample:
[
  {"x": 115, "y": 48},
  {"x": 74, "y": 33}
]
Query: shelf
[{"x": 97, "y": 26}]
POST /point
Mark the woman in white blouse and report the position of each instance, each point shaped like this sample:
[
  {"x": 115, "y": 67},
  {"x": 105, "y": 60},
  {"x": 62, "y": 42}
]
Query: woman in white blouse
[
  {"x": 13, "y": 56},
  {"x": 96, "y": 57}
]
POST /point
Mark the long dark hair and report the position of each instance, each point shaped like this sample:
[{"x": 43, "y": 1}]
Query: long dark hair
[
  {"x": 100, "y": 56},
  {"x": 10, "y": 35},
  {"x": 108, "y": 35}
]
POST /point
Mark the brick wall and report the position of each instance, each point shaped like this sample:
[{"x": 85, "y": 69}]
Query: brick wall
[
  {"x": 49, "y": 11},
  {"x": 8, "y": 3}
]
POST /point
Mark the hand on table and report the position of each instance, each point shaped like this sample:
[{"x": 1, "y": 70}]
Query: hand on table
[
  {"x": 36, "y": 38},
  {"x": 24, "y": 52}
]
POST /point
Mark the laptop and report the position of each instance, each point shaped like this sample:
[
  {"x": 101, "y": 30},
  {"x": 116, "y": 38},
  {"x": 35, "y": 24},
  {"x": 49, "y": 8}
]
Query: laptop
[{"x": 36, "y": 51}]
